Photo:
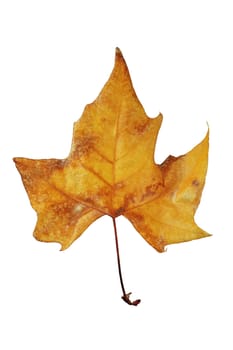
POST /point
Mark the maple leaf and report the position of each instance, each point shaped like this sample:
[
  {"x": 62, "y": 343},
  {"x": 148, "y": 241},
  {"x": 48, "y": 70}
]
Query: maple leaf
[{"x": 111, "y": 171}]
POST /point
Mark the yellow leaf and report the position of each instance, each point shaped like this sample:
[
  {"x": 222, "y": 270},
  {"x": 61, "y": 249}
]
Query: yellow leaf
[{"x": 111, "y": 171}]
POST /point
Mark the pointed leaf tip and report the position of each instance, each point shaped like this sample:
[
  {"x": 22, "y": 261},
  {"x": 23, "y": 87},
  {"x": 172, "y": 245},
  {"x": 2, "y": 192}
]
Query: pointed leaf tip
[
  {"x": 118, "y": 51},
  {"x": 119, "y": 56}
]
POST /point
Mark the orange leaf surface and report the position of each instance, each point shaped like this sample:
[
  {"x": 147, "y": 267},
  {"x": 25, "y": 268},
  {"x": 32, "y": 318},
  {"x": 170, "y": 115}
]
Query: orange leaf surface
[{"x": 111, "y": 171}]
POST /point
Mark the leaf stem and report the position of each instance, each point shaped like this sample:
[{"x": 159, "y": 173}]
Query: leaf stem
[{"x": 126, "y": 296}]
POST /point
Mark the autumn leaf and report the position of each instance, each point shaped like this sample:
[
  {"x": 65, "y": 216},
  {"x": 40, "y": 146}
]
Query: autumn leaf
[{"x": 111, "y": 171}]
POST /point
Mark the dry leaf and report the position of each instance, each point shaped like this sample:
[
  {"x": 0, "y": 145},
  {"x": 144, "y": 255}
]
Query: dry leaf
[{"x": 111, "y": 171}]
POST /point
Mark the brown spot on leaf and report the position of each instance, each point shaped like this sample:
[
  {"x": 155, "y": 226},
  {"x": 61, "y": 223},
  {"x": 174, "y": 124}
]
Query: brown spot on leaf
[
  {"x": 136, "y": 216},
  {"x": 195, "y": 183},
  {"x": 83, "y": 145},
  {"x": 119, "y": 185},
  {"x": 140, "y": 128},
  {"x": 151, "y": 190}
]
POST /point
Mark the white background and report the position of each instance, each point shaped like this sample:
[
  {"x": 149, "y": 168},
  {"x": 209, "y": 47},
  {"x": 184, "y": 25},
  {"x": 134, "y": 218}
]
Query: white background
[{"x": 55, "y": 57}]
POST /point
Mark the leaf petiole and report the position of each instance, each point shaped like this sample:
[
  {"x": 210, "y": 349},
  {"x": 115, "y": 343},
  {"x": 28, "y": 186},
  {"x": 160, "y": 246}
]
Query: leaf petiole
[{"x": 126, "y": 296}]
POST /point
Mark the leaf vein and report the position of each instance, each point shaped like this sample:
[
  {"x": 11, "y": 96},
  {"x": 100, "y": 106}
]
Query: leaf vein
[{"x": 91, "y": 170}]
